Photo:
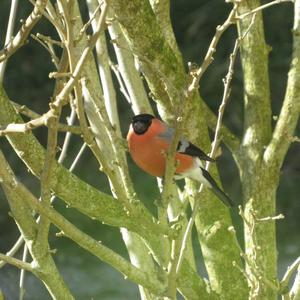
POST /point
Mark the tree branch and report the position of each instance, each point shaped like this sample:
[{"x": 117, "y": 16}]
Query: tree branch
[
  {"x": 289, "y": 114},
  {"x": 20, "y": 39},
  {"x": 284, "y": 283},
  {"x": 262, "y": 7},
  {"x": 163, "y": 70},
  {"x": 82, "y": 239},
  {"x": 196, "y": 76},
  {"x": 229, "y": 139},
  {"x": 295, "y": 291},
  {"x": 9, "y": 33},
  {"x": 131, "y": 77},
  {"x": 16, "y": 262}
]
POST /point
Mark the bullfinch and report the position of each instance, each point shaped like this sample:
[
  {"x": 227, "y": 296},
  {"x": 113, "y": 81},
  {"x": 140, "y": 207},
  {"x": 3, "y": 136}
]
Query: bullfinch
[{"x": 148, "y": 142}]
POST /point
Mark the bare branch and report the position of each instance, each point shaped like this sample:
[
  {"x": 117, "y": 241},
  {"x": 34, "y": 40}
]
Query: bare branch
[
  {"x": 260, "y": 8},
  {"x": 229, "y": 139},
  {"x": 284, "y": 283},
  {"x": 295, "y": 139},
  {"x": 24, "y": 127},
  {"x": 16, "y": 262},
  {"x": 295, "y": 290},
  {"x": 37, "y": 121},
  {"x": 23, "y": 33},
  {"x": 196, "y": 76},
  {"x": 227, "y": 82}
]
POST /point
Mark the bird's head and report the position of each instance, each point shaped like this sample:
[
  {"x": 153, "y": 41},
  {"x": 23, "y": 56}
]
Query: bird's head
[{"x": 141, "y": 123}]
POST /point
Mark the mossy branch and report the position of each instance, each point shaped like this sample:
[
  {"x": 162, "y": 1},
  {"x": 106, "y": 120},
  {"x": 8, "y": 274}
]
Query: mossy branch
[
  {"x": 289, "y": 114},
  {"x": 43, "y": 264},
  {"x": 82, "y": 239}
]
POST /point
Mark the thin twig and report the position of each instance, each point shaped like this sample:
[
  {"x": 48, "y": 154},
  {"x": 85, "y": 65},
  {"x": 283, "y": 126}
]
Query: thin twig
[
  {"x": 260, "y": 8},
  {"x": 23, "y": 128},
  {"x": 22, "y": 274},
  {"x": 88, "y": 23},
  {"x": 68, "y": 135},
  {"x": 196, "y": 75},
  {"x": 61, "y": 97},
  {"x": 123, "y": 89},
  {"x": 48, "y": 46},
  {"x": 295, "y": 139},
  {"x": 51, "y": 14},
  {"x": 106, "y": 165},
  {"x": 21, "y": 37},
  {"x": 16, "y": 262},
  {"x": 127, "y": 69},
  {"x": 275, "y": 218},
  {"x": 76, "y": 160},
  {"x": 227, "y": 82}
]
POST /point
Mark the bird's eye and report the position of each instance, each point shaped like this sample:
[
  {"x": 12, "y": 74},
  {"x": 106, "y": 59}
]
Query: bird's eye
[{"x": 140, "y": 127}]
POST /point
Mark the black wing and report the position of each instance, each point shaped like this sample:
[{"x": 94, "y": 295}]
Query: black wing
[
  {"x": 184, "y": 146},
  {"x": 188, "y": 148}
]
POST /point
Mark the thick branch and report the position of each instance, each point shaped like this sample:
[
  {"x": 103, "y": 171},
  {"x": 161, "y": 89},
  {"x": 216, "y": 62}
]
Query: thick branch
[
  {"x": 254, "y": 56},
  {"x": 162, "y": 68},
  {"x": 257, "y": 181},
  {"x": 161, "y": 10},
  {"x": 289, "y": 114}
]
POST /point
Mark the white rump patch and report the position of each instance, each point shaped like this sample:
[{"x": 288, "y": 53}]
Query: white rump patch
[{"x": 195, "y": 173}]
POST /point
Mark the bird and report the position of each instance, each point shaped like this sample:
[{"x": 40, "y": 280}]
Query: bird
[{"x": 148, "y": 141}]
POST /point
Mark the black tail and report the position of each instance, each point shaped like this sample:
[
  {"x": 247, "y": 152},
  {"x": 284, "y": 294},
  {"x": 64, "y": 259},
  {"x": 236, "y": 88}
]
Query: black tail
[{"x": 216, "y": 190}]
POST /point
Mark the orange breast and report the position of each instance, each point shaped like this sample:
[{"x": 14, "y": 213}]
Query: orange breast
[{"x": 149, "y": 153}]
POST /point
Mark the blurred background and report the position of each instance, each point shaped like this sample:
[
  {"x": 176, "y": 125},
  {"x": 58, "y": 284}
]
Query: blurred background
[{"x": 26, "y": 82}]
